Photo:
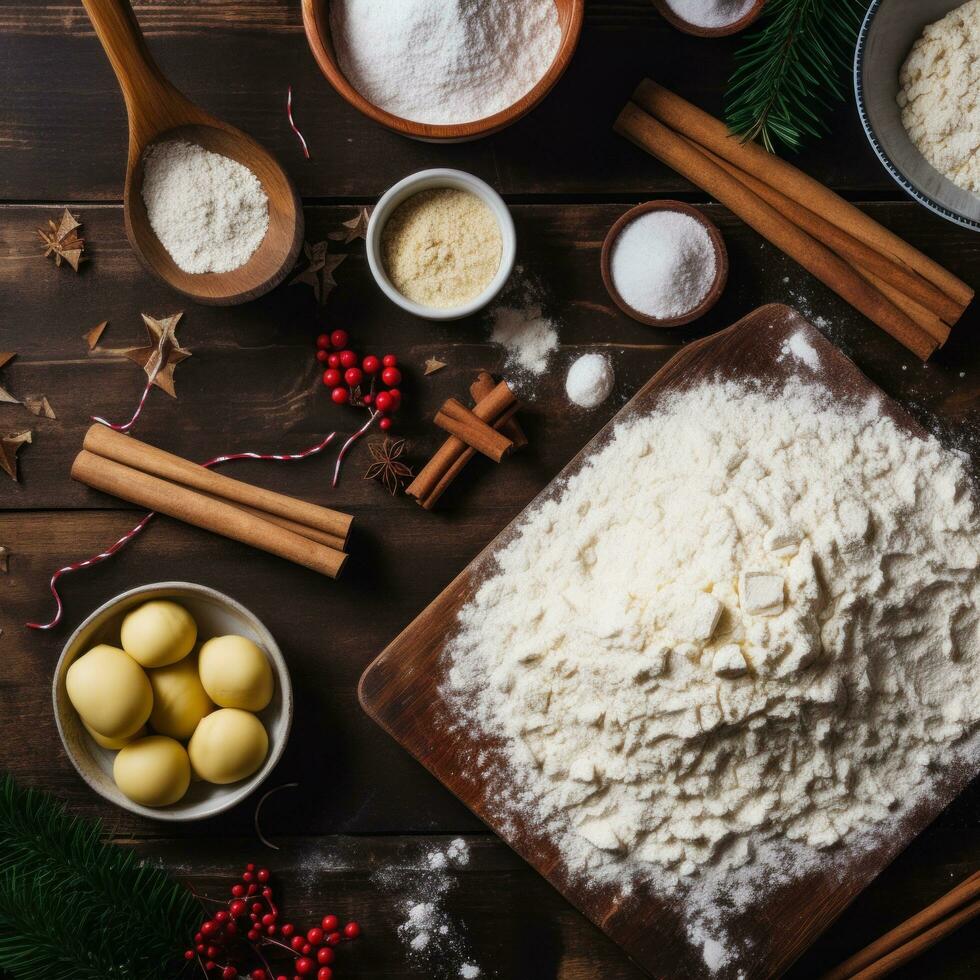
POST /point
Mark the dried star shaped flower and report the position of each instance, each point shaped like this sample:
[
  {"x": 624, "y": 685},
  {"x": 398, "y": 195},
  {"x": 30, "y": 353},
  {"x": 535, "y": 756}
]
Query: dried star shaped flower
[
  {"x": 62, "y": 241},
  {"x": 39, "y": 405},
  {"x": 160, "y": 359},
  {"x": 356, "y": 228},
  {"x": 387, "y": 466},
  {"x": 432, "y": 365},
  {"x": 93, "y": 336},
  {"x": 5, "y": 358},
  {"x": 319, "y": 270},
  {"x": 9, "y": 447}
]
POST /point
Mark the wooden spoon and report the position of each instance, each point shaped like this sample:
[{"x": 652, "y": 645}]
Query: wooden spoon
[{"x": 156, "y": 111}]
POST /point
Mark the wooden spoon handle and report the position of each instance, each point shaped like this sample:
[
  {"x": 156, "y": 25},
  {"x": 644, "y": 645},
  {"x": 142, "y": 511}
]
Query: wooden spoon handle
[{"x": 150, "y": 98}]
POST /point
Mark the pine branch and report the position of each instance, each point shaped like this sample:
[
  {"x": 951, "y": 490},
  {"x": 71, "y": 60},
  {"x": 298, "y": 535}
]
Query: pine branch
[
  {"x": 64, "y": 891},
  {"x": 792, "y": 70}
]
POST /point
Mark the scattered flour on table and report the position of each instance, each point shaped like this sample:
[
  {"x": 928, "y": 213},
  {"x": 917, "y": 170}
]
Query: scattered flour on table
[
  {"x": 444, "y": 61},
  {"x": 742, "y": 642},
  {"x": 209, "y": 212},
  {"x": 800, "y": 349},
  {"x": 940, "y": 95},
  {"x": 431, "y": 935},
  {"x": 711, "y": 13}
]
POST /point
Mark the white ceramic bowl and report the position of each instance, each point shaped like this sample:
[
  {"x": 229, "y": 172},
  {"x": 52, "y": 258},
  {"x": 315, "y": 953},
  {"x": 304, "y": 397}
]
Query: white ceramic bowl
[
  {"x": 426, "y": 180},
  {"x": 890, "y": 29},
  {"x": 216, "y": 615}
]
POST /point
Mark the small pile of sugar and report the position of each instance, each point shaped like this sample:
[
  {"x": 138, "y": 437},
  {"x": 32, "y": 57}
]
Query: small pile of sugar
[
  {"x": 711, "y": 13},
  {"x": 590, "y": 381},
  {"x": 663, "y": 264},
  {"x": 441, "y": 248},
  {"x": 209, "y": 212}
]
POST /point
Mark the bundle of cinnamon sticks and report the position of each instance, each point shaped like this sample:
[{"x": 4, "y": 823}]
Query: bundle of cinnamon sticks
[
  {"x": 489, "y": 428},
  {"x": 908, "y": 295},
  {"x": 301, "y": 532}
]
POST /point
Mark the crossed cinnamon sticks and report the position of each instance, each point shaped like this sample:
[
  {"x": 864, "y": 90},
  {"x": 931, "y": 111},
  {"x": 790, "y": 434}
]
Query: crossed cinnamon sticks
[
  {"x": 488, "y": 428},
  {"x": 904, "y": 292},
  {"x": 296, "y": 530}
]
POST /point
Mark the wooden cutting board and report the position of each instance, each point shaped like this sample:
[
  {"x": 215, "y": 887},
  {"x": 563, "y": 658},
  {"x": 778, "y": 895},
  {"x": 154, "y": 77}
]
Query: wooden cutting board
[{"x": 400, "y": 690}]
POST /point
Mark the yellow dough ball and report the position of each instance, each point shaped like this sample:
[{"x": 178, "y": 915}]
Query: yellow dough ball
[
  {"x": 228, "y": 745},
  {"x": 236, "y": 673},
  {"x": 179, "y": 699},
  {"x": 154, "y": 771},
  {"x": 158, "y": 633},
  {"x": 110, "y": 691},
  {"x": 112, "y": 743}
]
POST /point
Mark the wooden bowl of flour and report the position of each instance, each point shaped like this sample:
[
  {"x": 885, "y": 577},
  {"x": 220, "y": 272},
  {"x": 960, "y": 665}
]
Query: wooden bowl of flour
[{"x": 316, "y": 23}]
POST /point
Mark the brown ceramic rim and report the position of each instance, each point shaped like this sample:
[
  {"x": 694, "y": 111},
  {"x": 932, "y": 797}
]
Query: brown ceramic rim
[
  {"x": 317, "y": 27},
  {"x": 721, "y": 262},
  {"x": 667, "y": 12}
]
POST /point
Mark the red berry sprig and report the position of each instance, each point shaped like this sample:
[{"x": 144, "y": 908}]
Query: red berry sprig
[
  {"x": 346, "y": 375},
  {"x": 247, "y": 932}
]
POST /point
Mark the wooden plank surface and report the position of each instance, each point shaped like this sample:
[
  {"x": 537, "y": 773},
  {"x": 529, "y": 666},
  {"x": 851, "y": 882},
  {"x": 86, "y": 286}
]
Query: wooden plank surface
[{"x": 63, "y": 131}]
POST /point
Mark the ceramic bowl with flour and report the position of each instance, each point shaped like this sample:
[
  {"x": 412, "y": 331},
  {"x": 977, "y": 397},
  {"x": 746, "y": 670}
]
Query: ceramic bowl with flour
[
  {"x": 885, "y": 42},
  {"x": 441, "y": 244}
]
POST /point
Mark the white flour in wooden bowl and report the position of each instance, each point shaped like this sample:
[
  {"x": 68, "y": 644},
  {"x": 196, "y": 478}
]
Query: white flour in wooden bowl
[{"x": 751, "y": 620}]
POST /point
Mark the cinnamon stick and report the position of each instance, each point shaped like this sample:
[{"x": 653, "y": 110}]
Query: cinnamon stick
[
  {"x": 700, "y": 126},
  {"x": 205, "y": 512},
  {"x": 330, "y": 540},
  {"x": 816, "y": 258},
  {"x": 432, "y": 480},
  {"x": 456, "y": 419},
  {"x": 482, "y": 387},
  {"x": 103, "y": 441},
  {"x": 914, "y": 935}
]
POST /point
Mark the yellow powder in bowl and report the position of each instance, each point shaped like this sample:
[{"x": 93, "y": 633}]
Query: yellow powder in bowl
[{"x": 441, "y": 248}]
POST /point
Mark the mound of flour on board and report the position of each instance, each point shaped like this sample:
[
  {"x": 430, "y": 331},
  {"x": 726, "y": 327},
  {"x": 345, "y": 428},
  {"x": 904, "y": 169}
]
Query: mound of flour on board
[{"x": 751, "y": 618}]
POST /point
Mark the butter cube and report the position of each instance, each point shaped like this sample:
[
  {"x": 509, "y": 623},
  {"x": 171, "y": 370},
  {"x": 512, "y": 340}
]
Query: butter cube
[
  {"x": 728, "y": 662},
  {"x": 762, "y": 593}
]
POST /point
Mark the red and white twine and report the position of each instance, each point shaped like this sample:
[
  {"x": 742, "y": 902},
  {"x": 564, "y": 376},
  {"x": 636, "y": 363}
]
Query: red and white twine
[{"x": 292, "y": 124}]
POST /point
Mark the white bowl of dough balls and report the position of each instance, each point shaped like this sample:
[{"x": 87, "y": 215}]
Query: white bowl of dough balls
[{"x": 173, "y": 701}]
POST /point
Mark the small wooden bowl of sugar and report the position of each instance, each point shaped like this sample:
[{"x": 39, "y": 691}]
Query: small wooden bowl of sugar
[
  {"x": 410, "y": 69},
  {"x": 709, "y": 18},
  {"x": 664, "y": 263}
]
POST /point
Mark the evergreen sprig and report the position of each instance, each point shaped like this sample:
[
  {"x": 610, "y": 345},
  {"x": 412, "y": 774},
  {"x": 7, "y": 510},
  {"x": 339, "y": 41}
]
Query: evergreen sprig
[
  {"x": 74, "y": 907},
  {"x": 792, "y": 70}
]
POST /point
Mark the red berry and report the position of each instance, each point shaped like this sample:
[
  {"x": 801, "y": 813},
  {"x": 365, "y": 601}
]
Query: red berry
[
  {"x": 248, "y": 876},
  {"x": 237, "y": 907},
  {"x": 322, "y": 356},
  {"x": 333, "y": 360},
  {"x": 282, "y": 976},
  {"x": 331, "y": 377},
  {"x": 353, "y": 376},
  {"x": 188, "y": 954},
  {"x": 238, "y": 890},
  {"x": 340, "y": 396},
  {"x": 231, "y": 929},
  {"x": 221, "y": 916},
  {"x": 250, "y": 866},
  {"x": 229, "y": 973},
  {"x": 324, "y": 973},
  {"x": 298, "y": 942},
  {"x": 257, "y": 908},
  {"x": 348, "y": 358},
  {"x": 334, "y": 938},
  {"x": 368, "y": 398},
  {"x": 315, "y": 936},
  {"x": 330, "y": 923},
  {"x": 201, "y": 948},
  {"x": 271, "y": 930},
  {"x": 198, "y": 937},
  {"x": 263, "y": 875},
  {"x": 287, "y": 929},
  {"x": 213, "y": 952},
  {"x": 391, "y": 376},
  {"x": 338, "y": 338},
  {"x": 268, "y": 919},
  {"x": 325, "y": 955},
  {"x": 382, "y": 401},
  {"x": 389, "y": 360},
  {"x": 267, "y": 892},
  {"x": 253, "y": 934},
  {"x": 209, "y": 928},
  {"x": 307, "y": 949},
  {"x": 396, "y": 395},
  {"x": 252, "y": 889},
  {"x": 209, "y": 966},
  {"x": 323, "y": 341},
  {"x": 305, "y": 966},
  {"x": 370, "y": 364},
  {"x": 257, "y": 974},
  {"x": 385, "y": 424},
  {"x": 352, "y": 930}
]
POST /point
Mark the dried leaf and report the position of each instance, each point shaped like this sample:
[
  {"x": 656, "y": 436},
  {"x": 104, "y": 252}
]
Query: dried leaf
[
  {"x": 319, "y": 269},
  {"x": 159, "y": 360},
  {"x": 432, "y": 365},
  {"x": 8, "y": 398},
  {"x": 9, "y": 447},
  {"x": 39, "y": 405},
  {"x": 93, "y": 336},
  {"x": 356, "y": 228},
  {"x": 62, "y": 241},
  {"x": 387, "y": 466}
]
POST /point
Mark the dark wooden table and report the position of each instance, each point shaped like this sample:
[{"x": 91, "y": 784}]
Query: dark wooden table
[{"x": 363, "y": 804}]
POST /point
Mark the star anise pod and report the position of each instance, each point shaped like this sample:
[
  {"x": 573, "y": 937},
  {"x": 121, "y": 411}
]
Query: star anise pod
[
  {"x": 61, "y": 240},
  {"x": 387, "y": 467}
]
